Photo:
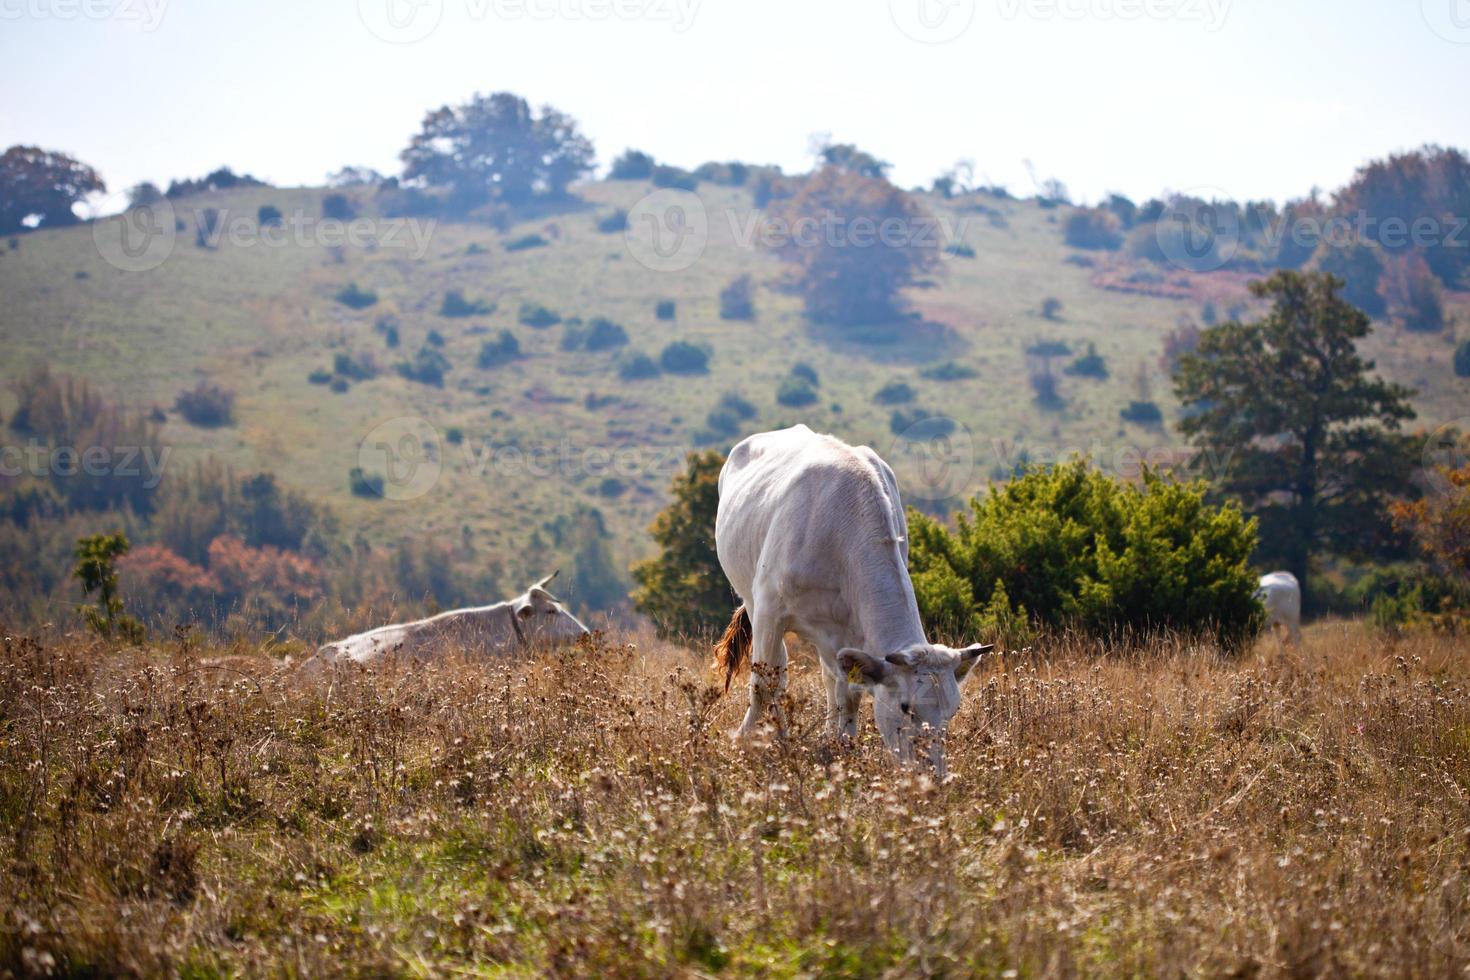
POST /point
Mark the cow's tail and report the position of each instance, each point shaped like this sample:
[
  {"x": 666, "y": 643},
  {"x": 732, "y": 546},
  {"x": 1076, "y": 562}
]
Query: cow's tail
[{"x": 733, "y": 649}]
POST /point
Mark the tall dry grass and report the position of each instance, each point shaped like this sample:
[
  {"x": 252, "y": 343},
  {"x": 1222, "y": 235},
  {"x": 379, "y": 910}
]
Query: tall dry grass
[{"x": 1150, "y": 811}]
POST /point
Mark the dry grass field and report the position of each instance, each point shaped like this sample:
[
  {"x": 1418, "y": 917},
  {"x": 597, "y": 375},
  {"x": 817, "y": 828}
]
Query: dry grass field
[{"x": 1122, "y": 812}]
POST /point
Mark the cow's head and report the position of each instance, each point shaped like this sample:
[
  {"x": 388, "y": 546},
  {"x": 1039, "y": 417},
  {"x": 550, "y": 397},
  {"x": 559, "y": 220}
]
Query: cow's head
[
  {"x": 916, "y": 691},
  {"x": 542, "y": 617}
]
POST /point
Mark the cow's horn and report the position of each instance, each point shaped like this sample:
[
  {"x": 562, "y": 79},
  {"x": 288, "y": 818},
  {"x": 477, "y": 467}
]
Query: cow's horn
[{"x": 546, "y": 581}]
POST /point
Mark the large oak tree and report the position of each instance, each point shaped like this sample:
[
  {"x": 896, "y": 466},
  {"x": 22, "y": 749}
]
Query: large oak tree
[{"x": 39, "y": 186}]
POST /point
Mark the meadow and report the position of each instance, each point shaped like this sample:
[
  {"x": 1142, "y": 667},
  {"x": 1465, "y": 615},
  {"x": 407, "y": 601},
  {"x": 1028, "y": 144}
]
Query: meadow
[
  {"x": 1152, "y": 809},
  {"x": 259, "y": 319}
]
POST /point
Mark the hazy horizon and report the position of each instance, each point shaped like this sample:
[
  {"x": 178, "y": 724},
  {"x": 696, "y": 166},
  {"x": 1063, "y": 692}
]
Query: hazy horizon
[{"x": 1235, "y": 97}]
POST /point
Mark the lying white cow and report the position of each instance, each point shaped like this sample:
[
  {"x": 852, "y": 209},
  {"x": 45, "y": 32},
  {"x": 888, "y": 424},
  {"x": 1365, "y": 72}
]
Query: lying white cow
[
  {"x": 534, "y": 618},
  {"x": 1281, "y": 594},
  {"x": 812, "y": 536}
]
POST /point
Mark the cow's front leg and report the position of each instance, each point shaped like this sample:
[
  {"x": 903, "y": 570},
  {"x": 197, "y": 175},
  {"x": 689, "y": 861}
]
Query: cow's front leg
[{"x": 767, "y": 677}]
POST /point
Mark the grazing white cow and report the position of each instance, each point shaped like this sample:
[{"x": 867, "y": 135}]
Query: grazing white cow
[
  {"x": 1281, "y": 594},
  {"x": 534, "y": 618},
  {"x": 812, "y": 536}
]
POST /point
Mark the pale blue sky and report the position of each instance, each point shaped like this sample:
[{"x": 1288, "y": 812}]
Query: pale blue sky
[{"x": 1258, "y": 98}]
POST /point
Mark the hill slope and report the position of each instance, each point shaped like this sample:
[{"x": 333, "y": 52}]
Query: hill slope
[{"x": 544, "y": 432}]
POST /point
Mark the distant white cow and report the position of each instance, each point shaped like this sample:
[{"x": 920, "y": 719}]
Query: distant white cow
[
  {"x": 1281, "y": 594},
  {"x": 534, "y": 618},
  {"x": 812, "y": 535}
]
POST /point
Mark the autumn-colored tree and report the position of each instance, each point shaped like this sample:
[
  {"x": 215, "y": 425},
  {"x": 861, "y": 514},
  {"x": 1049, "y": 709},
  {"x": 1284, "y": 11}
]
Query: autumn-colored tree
[
  {"x": 1306, "y": 434},
  {"x": 855, "y": 241},
  {"x": 1440, "y": 523},
  {"x": 683, "y": 589},
  {"x": 38, "y": 186}
]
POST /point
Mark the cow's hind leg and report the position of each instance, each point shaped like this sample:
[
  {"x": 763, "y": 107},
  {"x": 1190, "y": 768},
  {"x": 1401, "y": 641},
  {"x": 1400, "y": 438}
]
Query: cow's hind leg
[{"x": 767, "y": 674}]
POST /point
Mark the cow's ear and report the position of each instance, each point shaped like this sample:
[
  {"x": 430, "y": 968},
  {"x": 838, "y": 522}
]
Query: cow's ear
[
  {"x": 525, "y": 611},
  {"x": 863, "y": 668},
  {"x": 969, "y": 657}
]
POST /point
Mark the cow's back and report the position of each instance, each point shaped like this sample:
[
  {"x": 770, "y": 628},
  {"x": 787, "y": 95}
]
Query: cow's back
[{"x": 793, "y": 498}]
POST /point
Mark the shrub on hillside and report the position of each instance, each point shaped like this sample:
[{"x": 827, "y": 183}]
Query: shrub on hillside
[
  {"x": 638, "y": 366},
  {"x": 358, "y": 368},
  {"x": 364, "y": 484},
  {"x": 338, "y": 207},
  {"x": 206, "y": 405},
  {"x": 664, "y": 309},
  {"x": 731, "y": 401},
  {"x": 948, "y": 371},
  {"x": 354, "y": 298},
  {"x": 268, "y": 214},
  {"x": 614, "y": 223},
  {"x": 455, "y": 305},
  {"x": 1089, "y": 365},
  {"x": 796, "y": 392},
  {"x": 682, "y": 357},
  {"x": 427, "y": 367},
  {"x": 1462, "y": 359},
  {"x": 632, "y": 165},
  {"x": 737, "y": 300},
  {"x": 960, "y": 251},
  {"x": 1093, "y": 228},
  {"x": 919, "y": 424},
  {"x": 1051, "y": 308},
  {"x": 604, "y": 334},
  {"x": 1075, "y": 548},
  {"x": 673, "y": 177},
  {"x": 1412, "y": 294},
  {"x": 502, "y": 350},
  {"x": 538, "y": 316},
  {"x": 320, "y": 376},
  {"x": 524, "y": 242},
  {"x": 1142, "y": 413},
  {"x": 807, "y": 373},
  {"x": 894, "y": 393}
]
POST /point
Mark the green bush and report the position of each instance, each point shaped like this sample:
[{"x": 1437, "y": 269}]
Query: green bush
[
  {"x": 365, "y": 484},
  {"x": 502, "y": 350},
  {"x": 320, "y": 376},
  {"x": 666, "y": 176},
  {"x": 960, "y": 251},
  {"x": 427, "y": 367},
  {"x": 524, "y": 242},
  {"x": 632, "y": 165},
  {"x": 538, "y": 316},
  {"x": 1089, "y": 365},
  {"x": 682, "y": 357},
  {"x": 1142, "y": 413},
  {"x": 359, "y": 368},
  {"x": 1073, "y": 548},
  {"x": 613, "y": 223},
  {"x": 796, "y": 392},
  {"x": 604, "y": 334},
  {"x": 268, "y": 214},
  {"x": 206, "y": 405},
  {"x": 1462, "y": 359},
  {"x": 731, "y": 401},
  {"x": 638, "y": 366},
  {"x": 804, "y": 371},
  {"x": 737, "y": 300},
  {"x": 664, "y": 309},
  {"x": 919, "y": 424},
  {"x": 1094, "y": 228},
  {"x": 354, "y": 298},
  {"x": 948, "y": 371},
  {"x": 894, "y": 393},
  {"x": 455, "y": 305}
]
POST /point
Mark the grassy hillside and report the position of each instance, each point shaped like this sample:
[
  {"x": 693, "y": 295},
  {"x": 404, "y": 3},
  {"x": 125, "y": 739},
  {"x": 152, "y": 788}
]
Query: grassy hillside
[
  {"x": 1150, "y": 812},
  {"x": 259, "y": 319}
]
